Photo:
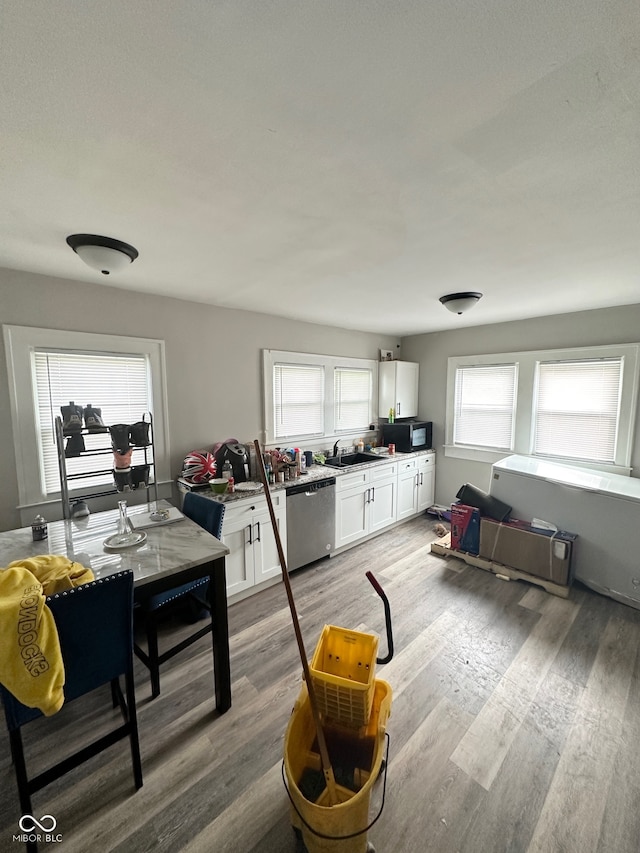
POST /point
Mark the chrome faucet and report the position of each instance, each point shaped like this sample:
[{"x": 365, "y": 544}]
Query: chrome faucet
[{"x": 335, "y": 448}]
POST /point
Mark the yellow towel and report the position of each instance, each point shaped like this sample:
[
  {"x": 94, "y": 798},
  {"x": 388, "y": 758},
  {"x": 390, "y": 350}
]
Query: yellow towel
[
  {"x": 55, "y": 572},
  {"x": 31, "y": 666}
]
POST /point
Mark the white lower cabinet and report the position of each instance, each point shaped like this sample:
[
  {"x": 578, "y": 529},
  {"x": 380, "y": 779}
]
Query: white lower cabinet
[
  {"x": 415, "y": 485},
  {"x": 365, "y": 502},
  {"x": 248, "y": 534},
  {"x": 383, "y": 497}
]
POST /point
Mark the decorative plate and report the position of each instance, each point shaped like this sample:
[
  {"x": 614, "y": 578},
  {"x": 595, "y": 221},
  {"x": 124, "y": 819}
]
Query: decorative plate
[
  {"x": 248, "y": 487},
  {"x": 115, "y": 542}
]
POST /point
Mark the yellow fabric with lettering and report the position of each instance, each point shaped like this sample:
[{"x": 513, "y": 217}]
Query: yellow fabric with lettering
[
  {"x": 30, "y": 660},
  {"x": 31, "y": 664},
  {"x": 55, "y": 572}
]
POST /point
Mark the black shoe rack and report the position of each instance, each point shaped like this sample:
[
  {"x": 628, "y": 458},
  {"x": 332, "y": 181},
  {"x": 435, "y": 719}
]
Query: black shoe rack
[{"x": 72, "y": 480}]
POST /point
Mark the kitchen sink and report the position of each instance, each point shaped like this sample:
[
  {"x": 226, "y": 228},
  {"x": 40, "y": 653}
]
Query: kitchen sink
[{"x": 348, "y": 459}]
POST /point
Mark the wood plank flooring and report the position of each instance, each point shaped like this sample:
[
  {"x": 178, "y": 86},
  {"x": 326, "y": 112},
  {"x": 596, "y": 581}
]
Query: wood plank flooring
[{"x": 514, "y": 727}]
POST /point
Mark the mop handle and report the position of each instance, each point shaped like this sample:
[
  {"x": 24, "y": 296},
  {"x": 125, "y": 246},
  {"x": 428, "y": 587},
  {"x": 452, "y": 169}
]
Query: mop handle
[
  {"x": 387, "y": 617},
  {"x": 327, "y": 769}
]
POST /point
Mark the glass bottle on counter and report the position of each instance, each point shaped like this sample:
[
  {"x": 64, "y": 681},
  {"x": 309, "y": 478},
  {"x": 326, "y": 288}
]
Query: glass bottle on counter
[
  {"x": 227, "y": 474},
  {"x": 125, "y": 535}
]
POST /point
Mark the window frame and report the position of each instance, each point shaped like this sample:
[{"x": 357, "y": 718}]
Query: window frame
[
  {"x": 494, "y": 448},
  {"x": 20, "y": 343},
  {"x": 527, "y": 362},
  {"x": 330, "y": 363}
]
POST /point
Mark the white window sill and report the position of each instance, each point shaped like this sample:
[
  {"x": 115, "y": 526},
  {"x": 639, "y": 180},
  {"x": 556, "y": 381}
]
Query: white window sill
[{"x": 476, "y": 454}]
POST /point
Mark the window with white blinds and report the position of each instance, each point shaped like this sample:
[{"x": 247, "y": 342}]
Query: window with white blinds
[
  {"x": 484, "y": 407},
  {"x": 47, "y": 368},
  {"x": 577, "y": 409},
  {"x": 352, "y": 398},
  {"x": 117, "y": 384},
  {"x": 298, "y": 400},
  {"x": 311, "y": 396},
  {"x": 577, "y": 404}
]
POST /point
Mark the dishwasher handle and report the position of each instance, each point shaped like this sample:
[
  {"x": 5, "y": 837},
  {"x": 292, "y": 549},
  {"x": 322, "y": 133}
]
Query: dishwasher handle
[{"x": 387, "y": 617}]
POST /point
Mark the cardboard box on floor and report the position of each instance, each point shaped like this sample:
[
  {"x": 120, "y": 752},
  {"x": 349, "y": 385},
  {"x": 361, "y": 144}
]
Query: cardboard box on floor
[
  {"x": 515, "y": 544},
  {"x": 465, "y": 528}
]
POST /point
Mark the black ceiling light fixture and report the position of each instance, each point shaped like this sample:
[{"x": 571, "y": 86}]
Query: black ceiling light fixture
[
  {"x": 458, "y": 303},
  {"x": 104, "y": 254}
]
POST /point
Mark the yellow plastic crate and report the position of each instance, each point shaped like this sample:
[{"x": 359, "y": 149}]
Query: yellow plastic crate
[{"x": 343, "y": 675}]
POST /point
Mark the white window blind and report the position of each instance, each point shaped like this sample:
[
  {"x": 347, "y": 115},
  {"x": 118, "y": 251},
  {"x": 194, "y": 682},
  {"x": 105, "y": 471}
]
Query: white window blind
[
  {"x": 352, "y": 398},
  {"x": 119, "y": 385},
  {"x": 577, "y": 409},
  {"x": 484, "y": 407},
  {"x": 298, "y": 396}
]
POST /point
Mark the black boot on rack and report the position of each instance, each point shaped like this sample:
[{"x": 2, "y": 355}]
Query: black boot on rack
[
  {"x": 93, "y": 419},
  {"x": 71, "y": 419},
  {"x": 139, "y": 434},
  {"x": 122, "y": 479},
  {"x": 75, "y": 446},
  {"x": 120, "y": 437},
  {"x": 140, "y": 476}
]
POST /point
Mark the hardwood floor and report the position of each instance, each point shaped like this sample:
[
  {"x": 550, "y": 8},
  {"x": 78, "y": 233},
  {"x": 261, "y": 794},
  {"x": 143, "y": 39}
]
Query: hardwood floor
[{"x": 514, "y": 727}]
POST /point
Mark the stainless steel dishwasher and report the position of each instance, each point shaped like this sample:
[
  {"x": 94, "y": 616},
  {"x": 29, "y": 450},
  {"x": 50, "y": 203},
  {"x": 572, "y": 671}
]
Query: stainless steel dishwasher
[{"x": 310, "y": 521}]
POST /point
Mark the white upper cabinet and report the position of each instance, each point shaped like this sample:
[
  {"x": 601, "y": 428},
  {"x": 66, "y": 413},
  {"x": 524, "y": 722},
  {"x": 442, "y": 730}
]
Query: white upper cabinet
[{"x": 398, "y": 389}]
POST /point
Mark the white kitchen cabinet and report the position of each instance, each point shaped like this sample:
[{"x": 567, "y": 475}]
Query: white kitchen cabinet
[
  {"x": 383, "y": 496},
  {"x": 415, "y": 485},
  {"x": 426, "y": 482},
  {"x": 365, "y": 502},
  {"x": 248, "y": 533},
  {"x": 398, "y": 388},
  {"x": 351, "y": 507}
]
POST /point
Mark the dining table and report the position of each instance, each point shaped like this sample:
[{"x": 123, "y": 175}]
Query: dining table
[{"x": 172, "y": 554}]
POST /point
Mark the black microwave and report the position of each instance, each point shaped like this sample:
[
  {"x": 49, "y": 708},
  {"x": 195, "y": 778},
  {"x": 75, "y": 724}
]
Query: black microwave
[{"x": 408, "y": 435}]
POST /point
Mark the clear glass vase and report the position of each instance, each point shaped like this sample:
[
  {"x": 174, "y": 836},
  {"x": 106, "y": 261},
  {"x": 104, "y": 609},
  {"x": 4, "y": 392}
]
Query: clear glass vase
[{"x": 124, "y": 533}]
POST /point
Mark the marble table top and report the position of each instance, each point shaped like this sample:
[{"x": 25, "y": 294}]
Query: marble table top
[{"x": 168, "y": 548}]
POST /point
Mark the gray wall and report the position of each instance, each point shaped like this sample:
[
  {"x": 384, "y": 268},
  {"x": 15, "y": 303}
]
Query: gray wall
[
  {"x": 586, "y": 328},
  {"x": 213, "y": 355}
]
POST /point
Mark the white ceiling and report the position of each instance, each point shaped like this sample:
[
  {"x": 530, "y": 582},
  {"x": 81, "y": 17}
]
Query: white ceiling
[{"x": 340, "y": 161}]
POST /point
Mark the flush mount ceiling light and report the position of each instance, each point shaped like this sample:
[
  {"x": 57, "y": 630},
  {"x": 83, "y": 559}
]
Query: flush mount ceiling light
[
  {"x": 458, "y": 303},
  {"x": 104, "y": 254}
]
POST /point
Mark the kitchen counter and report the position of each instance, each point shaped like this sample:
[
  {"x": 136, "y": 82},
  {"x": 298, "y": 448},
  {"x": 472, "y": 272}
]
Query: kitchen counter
[{"x": 313, "y": 474}]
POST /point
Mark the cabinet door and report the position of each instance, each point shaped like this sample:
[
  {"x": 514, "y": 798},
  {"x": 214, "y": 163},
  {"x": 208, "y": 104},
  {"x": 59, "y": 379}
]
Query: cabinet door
[
  {"x": 382, "y": 504},
  {"x": 407, "y": 389},
  {"x": 398, "y": 388},
  {"x": 351, "y": 515},
  {"x": 265, "y": 551},
  {"x": 407, "y": 498},
  {"x": 426, "y": 484},
  {"x": 236, "y": 535}
]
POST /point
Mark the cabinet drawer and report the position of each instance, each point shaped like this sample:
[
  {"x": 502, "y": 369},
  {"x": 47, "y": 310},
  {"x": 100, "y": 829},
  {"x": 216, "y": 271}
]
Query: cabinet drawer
[
  {"x": 350, "y": 481},
  {"x": 425, "y": 462},
  {"x": 406, "y": 465},
  {"x": 238, "y": 511},
  {"x": 383, "y": 472}
]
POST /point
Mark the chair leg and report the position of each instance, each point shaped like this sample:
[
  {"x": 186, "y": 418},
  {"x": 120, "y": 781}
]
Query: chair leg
[
  {"x": 152, "y": 651},
  {"x": 133, "y": 729},
  {"x": 17, "y": 754},
  {"x": 117, "y": 697},
  {"x": 114, "y": 694}
]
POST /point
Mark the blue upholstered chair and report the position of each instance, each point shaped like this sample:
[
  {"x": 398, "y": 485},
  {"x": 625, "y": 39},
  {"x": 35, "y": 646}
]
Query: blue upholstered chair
[
  {"x": 95, "y": 627},
  {"x": 192, "y": 596}
]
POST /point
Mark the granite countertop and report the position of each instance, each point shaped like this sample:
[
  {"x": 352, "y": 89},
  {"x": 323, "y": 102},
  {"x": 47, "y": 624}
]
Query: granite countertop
[{"x": 313, "y": 474}]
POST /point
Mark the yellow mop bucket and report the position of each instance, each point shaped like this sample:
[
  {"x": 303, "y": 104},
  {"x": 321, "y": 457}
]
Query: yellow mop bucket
[{"x": 357, "y": 759}]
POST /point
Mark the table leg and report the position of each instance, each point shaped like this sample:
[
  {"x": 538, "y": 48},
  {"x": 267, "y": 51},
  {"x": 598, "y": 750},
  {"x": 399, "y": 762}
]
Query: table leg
[{"x": 220, "y": 636}]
